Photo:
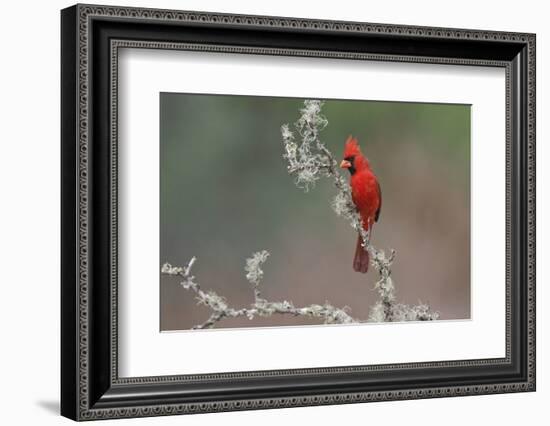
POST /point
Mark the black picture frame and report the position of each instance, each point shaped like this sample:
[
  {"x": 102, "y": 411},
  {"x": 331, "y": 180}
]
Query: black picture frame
[{"x": 90, "y": 386}]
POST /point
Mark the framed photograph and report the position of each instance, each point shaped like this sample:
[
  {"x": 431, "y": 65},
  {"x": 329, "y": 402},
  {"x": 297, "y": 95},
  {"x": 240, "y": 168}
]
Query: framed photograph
[{"x": 263, "y": 212}]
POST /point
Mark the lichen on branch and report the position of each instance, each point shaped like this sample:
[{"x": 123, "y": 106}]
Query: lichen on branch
[{"x": 260, "y": 307}]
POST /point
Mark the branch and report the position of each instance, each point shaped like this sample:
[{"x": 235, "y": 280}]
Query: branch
[
  {"x": 310, "y": 160},
  {"x": 260, "y": 307}
]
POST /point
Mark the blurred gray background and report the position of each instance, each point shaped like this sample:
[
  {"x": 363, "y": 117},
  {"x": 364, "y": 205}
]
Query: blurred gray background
[{"x": 225, "y": 193}]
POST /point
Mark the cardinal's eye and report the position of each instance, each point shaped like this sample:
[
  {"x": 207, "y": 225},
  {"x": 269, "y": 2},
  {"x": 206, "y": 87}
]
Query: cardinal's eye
[{"x": 350, "y": 159}]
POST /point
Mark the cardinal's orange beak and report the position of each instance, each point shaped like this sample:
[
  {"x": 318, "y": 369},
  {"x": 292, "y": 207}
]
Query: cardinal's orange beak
[{"x": 345, "y": 164}]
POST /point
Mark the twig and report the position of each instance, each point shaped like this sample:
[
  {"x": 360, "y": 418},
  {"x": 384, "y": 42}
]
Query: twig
[{"x": 260, "y": 307}]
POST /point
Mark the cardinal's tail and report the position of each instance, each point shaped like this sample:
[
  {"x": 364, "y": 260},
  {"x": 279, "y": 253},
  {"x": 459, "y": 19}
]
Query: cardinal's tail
[{"x": 361, "y": 259}]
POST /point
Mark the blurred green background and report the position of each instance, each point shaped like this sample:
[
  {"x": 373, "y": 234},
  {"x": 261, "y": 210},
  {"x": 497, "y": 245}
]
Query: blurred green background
[{"x": 225, "y": 193}]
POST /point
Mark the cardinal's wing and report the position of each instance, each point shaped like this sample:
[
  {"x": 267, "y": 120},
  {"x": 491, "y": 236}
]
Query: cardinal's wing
[{"x": 377, "y": 214}]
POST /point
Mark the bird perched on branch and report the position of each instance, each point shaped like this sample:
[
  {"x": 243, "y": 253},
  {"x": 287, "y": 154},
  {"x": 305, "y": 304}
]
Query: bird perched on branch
[{"x": 366, "y": 195}]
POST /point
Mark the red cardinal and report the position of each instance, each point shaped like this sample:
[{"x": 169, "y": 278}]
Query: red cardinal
[{"x": 365, "y": 193}]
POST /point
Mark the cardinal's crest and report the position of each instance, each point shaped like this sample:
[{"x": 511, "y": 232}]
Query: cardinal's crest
[{"x": 352, "y": 147}]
